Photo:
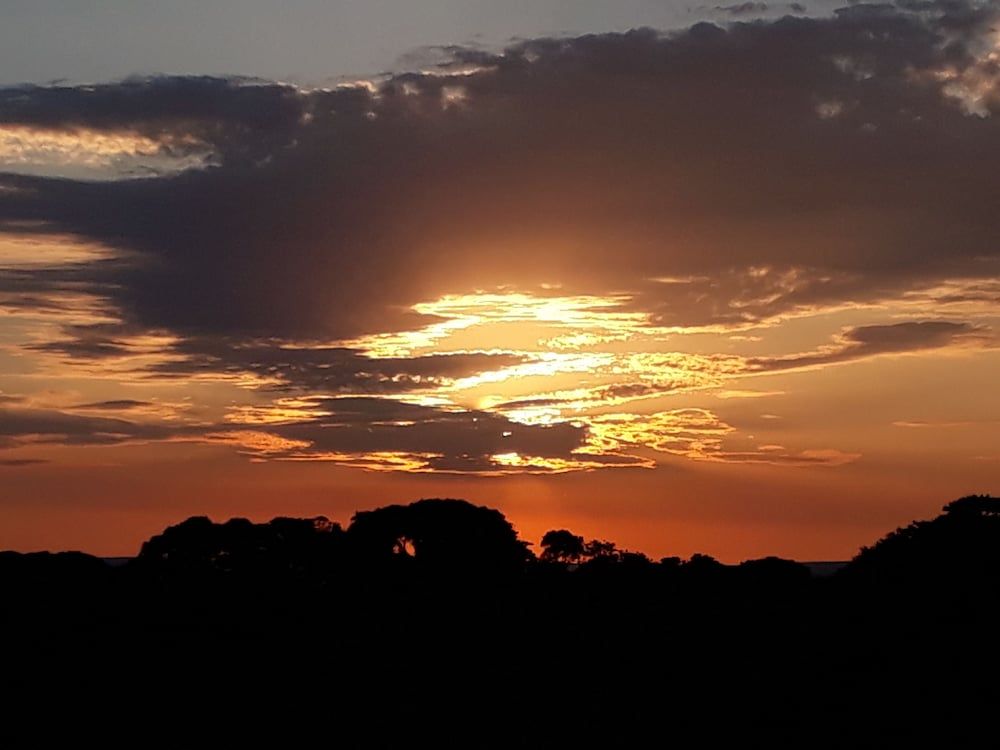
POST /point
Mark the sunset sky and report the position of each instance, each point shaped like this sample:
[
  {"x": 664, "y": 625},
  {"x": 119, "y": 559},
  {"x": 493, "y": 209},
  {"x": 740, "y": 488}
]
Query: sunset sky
[{"x": 719, "y": 279}]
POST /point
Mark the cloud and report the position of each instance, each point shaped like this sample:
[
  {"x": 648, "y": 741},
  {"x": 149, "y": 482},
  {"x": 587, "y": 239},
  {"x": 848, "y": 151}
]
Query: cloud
[
  {"x": 23, "y": 426},
  {"x": 922, "y": 424},
  {"x": 319, "y": 244},
  {"x": 329, "y": 369},
  {"x": 870, "y": 341},
  {"x": 743, "y": 9},
  {"x": 272, "y": 364},
  {"x": 385, "y": 434},
  {"x": 742, "y": 393},
  {"x": 601, "y": 161},
  {"x": 145, "y": 123},
  {"x": 124, "y": 404},
  {"x": 775, "y": 454},
  {"x": 18, "y": 462}
]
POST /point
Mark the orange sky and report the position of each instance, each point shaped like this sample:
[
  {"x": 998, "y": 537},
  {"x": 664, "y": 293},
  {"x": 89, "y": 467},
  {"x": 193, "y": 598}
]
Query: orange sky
[{"x": 716, "y": 290}]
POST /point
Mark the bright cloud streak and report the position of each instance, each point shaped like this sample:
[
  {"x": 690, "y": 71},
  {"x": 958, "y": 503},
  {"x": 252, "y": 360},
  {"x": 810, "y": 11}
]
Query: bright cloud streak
[{"x": 95, "y": 154}]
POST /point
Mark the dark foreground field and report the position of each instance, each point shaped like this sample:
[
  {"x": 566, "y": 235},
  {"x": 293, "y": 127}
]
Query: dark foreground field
[{"x": 431, "y": 625}]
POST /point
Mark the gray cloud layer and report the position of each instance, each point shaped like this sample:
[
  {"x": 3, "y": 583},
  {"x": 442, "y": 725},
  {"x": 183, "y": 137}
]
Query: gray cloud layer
[{"x": 773, "y": 165}]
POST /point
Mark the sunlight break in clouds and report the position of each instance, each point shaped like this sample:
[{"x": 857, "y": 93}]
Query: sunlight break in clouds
[
  {"x": 591, "y": 319},
  {"x": 603, "y": 380}
]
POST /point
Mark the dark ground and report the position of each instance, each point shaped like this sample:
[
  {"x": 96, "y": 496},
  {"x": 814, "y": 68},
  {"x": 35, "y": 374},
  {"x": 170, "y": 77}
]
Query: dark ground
[{"x": 303, "y": 634}]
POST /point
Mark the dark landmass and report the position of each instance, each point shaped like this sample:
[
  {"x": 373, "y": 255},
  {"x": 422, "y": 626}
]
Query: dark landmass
[{"x": 433, "y": 624}]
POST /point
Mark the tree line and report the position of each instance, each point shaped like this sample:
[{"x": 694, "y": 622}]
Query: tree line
[{"x": 433, "y": 623}]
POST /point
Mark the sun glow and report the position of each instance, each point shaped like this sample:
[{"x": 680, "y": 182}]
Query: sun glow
[
  {"x": 580, "y": 383},
  {"x": 576, "y": 321},
  {"x": 574, "y": 374}
]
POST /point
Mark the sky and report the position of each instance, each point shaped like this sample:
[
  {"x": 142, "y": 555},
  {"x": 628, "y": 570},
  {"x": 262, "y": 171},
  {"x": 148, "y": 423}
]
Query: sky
[
  {"x": 717, "y": 279},
  {"x": 305, "y": 41}
]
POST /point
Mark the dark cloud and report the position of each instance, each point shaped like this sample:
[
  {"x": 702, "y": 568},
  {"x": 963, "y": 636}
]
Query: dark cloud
[
  {"x": 368, "y": 430},
  {"x": 389, "y": 435},
  {"x": 18, "y": 462},
  {"x": 368, "y": 425},
  {"x": 239, "y": 119},
  {"x": 785, "y": 458},
  {"x": 313, "y": 368},
  {"x": 869, "y": 341},
  {"x": 330, "y": 369},
  {"x": 772, "y": 167},
  {"x": 84, "y": 347},
  {"x": 20, "y": 425},
  {"x": 115, "y": 405},
  {"x": 913, "y": 335},
  {"x": 353, "y": 429},
  {"x": 530, "y": 403},
  {"x": 743, "y": 9}
]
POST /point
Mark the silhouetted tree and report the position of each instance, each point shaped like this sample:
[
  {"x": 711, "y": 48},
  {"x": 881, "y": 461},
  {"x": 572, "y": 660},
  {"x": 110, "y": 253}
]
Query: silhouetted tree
[
  {"x": 284, "y": 547},
  {"x": 634, "y": 560},
  {"x": 958, "y": 550},
  {"x": 699, "y": 562},
  {"x": 974, "y": 505},
  {"x": 597, "y": 548},
  {"x": 562, "y": 546},
  {"x": 439, "y": 533},
  {"x": 566, "y": 547},
  {"x": 703, "y": 570}
]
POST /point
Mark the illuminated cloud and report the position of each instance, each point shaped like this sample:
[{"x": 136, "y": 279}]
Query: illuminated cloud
[
  {"x": 388, "y": 435},
  {"x": 27, "y": 251},
  {"x": 143, "y": 126},
  {"x": 740, "y": 393},
  {"x": 575, "y": 322},
  {"x": 922, "y": 424},
  {"x": 391, "y": 435},
  {"x": 91, "y": 154}
]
